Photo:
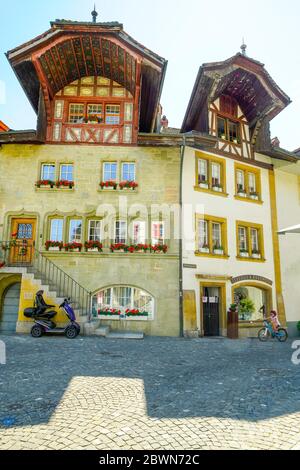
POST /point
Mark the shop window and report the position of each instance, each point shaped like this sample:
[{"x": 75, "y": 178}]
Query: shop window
[{"x": 252, "y": 302}]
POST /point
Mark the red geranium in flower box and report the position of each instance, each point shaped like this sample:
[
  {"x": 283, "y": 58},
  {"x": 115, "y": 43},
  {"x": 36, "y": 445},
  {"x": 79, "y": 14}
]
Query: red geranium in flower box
[
  {"x": 73, "y": 246},
  {"x": 93, "y": 245},
  {"x": 65, "y": 184},
  {"x": 159, "y": 248},
  {"x": 109, "y": 312},
  {"x": 41, "y": 183},
  {"x": 118, "y": 247},
  {"x": 52, "y": 244},
  {"x": 108, "y": 184},
  {"x": 128, "y": 185},
  {"x": 136, "y": 313}
]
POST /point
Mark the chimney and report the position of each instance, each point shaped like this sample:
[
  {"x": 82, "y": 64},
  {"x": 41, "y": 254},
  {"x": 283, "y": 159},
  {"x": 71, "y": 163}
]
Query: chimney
[
  {"x": 275, "y": 142},
  {"x": 164, "y": 122}
]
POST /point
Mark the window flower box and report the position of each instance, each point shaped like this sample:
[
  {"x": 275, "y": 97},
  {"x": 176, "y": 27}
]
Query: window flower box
[
  {"x": 142, "y": 248},
  {"x": 218, "y": 251},
  {"x": 256, "y": 255},
  {"x": 109, "y": 312},
  {"x": 242, "y": 193},
  {"x": 108, "y": 185},
  {"x": 121, "y": 247},
  {"x": 53, "y": 246},
  {"x": 204, "y": 249},
  {"x": 217, "y": 188},
  {"x": 203, "y": 185},
  {"x": 254, "y": 196},
  {"x": 136, "y": 313},
  {"x": 73, "y": 246},
  {"x": 45, "y": 183},
  {"x": 93, "y": 246},
  {"x": 132, "y": 185},
  {"x": 65, "y": 184},
  {"x": 159, "y": 249},
  {"x": 244, "y": 254}
]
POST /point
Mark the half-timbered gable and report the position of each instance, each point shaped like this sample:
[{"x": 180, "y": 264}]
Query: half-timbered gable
[
  {"x": 90, "y": 83},
  {"x": 235, "y": 101}
]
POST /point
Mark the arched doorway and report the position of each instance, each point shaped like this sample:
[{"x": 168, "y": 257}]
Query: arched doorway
[{"x": 10, "y": 308}]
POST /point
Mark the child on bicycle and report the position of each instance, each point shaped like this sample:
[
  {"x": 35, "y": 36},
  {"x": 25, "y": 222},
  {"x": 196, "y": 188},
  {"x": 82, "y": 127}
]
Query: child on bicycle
[{"x": 275, "y": 320}]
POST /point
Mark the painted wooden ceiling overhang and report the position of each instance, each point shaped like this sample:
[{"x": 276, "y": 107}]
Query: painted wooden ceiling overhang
[
  {"x": 3, "y": 127},
  {"x": 72, "y": 50},
  {"x": 245, "y": 79}
]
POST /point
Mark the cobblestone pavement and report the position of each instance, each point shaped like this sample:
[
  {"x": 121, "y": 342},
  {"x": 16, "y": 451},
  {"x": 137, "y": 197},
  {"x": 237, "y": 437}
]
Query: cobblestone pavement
[{"x": 160, "y": 393}]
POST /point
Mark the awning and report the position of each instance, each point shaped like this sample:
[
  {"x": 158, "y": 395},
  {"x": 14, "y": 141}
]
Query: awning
[{"x": 294, "y": 229}]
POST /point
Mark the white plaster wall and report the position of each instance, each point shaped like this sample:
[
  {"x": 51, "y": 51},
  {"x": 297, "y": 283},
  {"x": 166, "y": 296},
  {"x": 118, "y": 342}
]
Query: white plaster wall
[
  {"x": 232, "y": 210},
  {"x": 288, "y": 206}
]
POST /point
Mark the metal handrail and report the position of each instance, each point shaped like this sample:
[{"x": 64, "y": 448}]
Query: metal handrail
[
  {"x": 22, "y": 253},
  {"x": 64, "y": 284}
]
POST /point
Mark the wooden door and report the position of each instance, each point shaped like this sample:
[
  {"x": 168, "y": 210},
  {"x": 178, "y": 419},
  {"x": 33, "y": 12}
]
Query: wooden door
[
  {"x": 23, "y": 234},
  {"x": 211, "y": 312}
]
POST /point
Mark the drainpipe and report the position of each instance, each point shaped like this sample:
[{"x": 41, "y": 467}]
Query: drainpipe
[{"x": 182, "y": 153}]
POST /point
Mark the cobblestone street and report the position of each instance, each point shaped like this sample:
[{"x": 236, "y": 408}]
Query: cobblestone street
[{"x": 158, "y": 393}]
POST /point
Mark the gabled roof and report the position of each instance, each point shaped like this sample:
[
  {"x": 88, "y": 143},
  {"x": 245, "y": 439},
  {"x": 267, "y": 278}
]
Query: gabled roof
[
  {"x": 241, "y": 77},
  {"x": 71, "y": 50}
]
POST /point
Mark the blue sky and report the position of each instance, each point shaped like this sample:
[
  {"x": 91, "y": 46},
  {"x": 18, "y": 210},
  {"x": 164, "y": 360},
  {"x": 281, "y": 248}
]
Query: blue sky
[{"x": 187, "y": 33}]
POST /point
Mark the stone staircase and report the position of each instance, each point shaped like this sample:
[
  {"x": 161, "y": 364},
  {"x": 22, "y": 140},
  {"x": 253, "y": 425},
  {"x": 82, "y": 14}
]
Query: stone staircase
[{"x": 94, "y": 328}]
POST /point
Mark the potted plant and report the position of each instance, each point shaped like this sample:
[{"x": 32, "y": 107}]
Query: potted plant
[
  {"x": 241, "y": 192},
  {"x": 73, "y": 246},
  {"x": 108, "y": 185},
  {"x": 246, "y": 309},
  {"x": 203, "y": 184},
  {"x": 217, "y": 187},
  {"x": 256, "y": 254},
  {"x": 93, "y": 246},
  {"x": 128, "y": 185},
  {"x": 244, "y": 253},
  {"x": 53, "y": 245},
  {"x": 218, "y": 250},
  {"x": 205, "y": 248},
  {"x": 254, "y": 195}
]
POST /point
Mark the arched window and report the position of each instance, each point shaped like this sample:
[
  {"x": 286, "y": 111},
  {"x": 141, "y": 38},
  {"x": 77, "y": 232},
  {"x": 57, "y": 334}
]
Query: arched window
[{"x": 120, "y": 301}]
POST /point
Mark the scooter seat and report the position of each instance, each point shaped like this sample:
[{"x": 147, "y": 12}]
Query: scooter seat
[{"x": 47, "y": 315}]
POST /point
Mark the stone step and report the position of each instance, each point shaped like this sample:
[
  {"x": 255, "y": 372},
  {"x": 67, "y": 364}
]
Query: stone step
[
  {"x": 102, "y": 331},
  {"x": 125, "y": 335}
]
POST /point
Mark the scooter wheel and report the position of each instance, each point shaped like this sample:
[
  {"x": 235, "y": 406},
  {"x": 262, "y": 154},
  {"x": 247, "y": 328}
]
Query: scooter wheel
[
  {"x": 37, "y": 331},
  {"x": 71, "y": 332}
]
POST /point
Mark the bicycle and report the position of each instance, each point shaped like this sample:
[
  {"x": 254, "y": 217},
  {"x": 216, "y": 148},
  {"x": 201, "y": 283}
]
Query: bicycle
[{"x": 268, "y": 332}]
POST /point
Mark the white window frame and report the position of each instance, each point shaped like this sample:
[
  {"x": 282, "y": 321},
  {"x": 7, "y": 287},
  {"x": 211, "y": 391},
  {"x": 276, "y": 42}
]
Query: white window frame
[
  {"x": 215, "y": 173},
  {"x": 111, "y": 179},
  {"x": 117, "y": 236},
  {"x": 68, "y": 165},
  {"x": 56, "y": 230},
  {"x": 240, "y": 180},
  {"x": 251, "y": 182},
  {"x": 154, "y": 240},
  {"x": 254, "y": 239},
  {"x": 245, "y": 242},
  {"x": 92, "y": 238},
  {"x": 44, "y": 165},
  {"x": 76, "y": 239},
  {"x": 219, "y": 241},
  {"x": 202, "y": 170},
  {"x": 134, "y": 171},
  {"x": 143, "y": 236},
  {"x": 203, "y": 235}
]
